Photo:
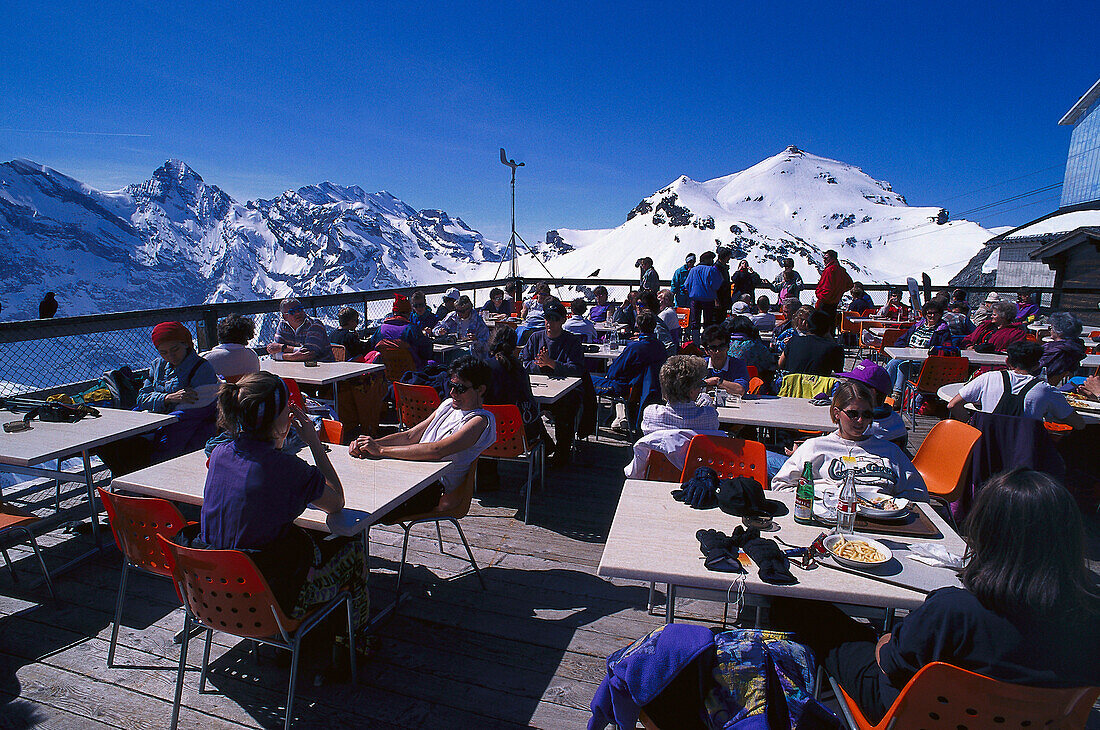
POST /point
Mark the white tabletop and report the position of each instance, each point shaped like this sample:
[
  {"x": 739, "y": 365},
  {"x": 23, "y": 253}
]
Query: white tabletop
[
  {"x": 605, "y": 353},
  {"x": 1038, "y": 327},
  {"x": 549, "y": 389},
  {"x": 603, "y": 327},
  {"x": 975, "y": 358},
  {"x": 372, "y": 487},
  {"x": 47, "y": 441},
  {"x": 778, "y": 412},
  {"x": 949, "y": 391},
  {"x": 441, "y": 348},
  {"x": 652, "y": 538},
  {"x": 881, "y": 320},
  {"x": 326, "y": 373}
]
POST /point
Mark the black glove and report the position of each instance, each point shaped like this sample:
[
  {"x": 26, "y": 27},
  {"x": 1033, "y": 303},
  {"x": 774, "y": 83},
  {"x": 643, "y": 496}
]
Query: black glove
[
  {"x": 771, "y": 563},
  {"x": 699, "y": 491},
  {"x": 719, "y": 551}
]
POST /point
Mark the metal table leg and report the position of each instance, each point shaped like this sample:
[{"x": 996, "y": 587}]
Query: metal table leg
[{"x": 670, "y": 604}]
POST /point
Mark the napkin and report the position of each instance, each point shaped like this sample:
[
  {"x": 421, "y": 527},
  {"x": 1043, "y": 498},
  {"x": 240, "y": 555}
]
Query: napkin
[{"x": 935, "y": 555}]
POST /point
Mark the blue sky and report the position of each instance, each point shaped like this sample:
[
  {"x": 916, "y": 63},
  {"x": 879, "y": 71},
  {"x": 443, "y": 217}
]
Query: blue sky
[{"x": 605, "y": 102}]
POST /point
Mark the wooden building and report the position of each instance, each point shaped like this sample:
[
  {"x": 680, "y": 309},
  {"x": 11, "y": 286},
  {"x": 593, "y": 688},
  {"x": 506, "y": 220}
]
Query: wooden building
[{"x": 1075, "y": 259}]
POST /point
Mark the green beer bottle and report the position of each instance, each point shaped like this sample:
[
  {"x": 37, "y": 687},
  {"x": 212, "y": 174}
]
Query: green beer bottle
[{"x": 804, "y": 496}]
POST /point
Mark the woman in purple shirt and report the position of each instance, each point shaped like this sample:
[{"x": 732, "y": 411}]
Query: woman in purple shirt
[{"x": 254, "y": 492}]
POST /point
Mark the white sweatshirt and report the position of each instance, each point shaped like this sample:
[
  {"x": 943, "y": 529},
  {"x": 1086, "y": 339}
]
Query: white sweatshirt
[{"x": 879, "y": 464}]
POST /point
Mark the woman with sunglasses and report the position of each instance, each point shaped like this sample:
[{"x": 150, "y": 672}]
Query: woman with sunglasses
[
  {"x": 879, "y": 464},
  {"x": 458, "y": 431}
]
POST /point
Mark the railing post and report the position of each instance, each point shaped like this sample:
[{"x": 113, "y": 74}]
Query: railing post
[{"x": 207, "y": 330}]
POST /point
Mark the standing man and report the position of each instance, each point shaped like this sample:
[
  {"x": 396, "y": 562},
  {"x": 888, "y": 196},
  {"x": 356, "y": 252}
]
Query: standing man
[
  {"x": 299, "y": 337},
  {"x": 724, "y": 297},
  {"x": 831, "y": 287},
  {"x": 702, "y": 285},
  {"x": 679, "y": 282},
  {"x": 648, "y": 281}
]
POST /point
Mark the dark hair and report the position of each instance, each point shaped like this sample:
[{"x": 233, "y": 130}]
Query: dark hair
[
  {"x": 820, "y": 322},
  {"x": 250, "y": 406},
  {"x": 1027, "y": 294},
  {"x": 1026, "y": 548},
  {"x": 601, "y": 289},
  {"x": 831, "y": 254},
  {"x": 542, "y": 288},
  {"x": 417, "y": 296},
  {"x": 579, "y": 306},
  {"x": 494, "y": 292},
  {"x": 472, "y": 369},
  {"x": 741, "y": 325},
  {"x": 763, "y": 302},
  {"x": 647, "y": 300},
  {"x": 707, "y": 258},
  {"x": 857, "y": 285},
  {"x": 1024, "y": 355},
  {"x": 848, "y": 392},
  {"x": 787, "y": 263},
  {"x": 645, "y": 321},
  {"x": 932, "y": 305},
  {"x": 716, "y": 332},
  {"x": 958, "y": 295},
  {"x": 464, "y": 300},
  {"x": 502, "y": 346},
  {"x": 347, "y": 317},
  {"x": 236, "y": 329},
  {"x": 801, "y": 319}
]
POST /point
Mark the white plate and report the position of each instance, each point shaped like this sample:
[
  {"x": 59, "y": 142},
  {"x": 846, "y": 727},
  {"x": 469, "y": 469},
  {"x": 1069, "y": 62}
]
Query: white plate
[
  {"x": 881, "y": 514},
  {"x": 883, "y": 551}
]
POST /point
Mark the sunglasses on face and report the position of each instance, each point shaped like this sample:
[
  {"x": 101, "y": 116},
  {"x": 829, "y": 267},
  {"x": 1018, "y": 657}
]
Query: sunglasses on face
[
  {"x": 857, "y": 415},
  {"x": 715, "y": 348},
  {"x": 459, "y": 388}
]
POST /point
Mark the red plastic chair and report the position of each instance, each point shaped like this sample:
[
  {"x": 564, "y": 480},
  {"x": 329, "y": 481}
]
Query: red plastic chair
[
  {"x": 936, "y": 372},
  {"x": 659, "y": 469},
  {"x": 944, "y": 696},
  {"x": 511, "y": 445},
  {"x": 13, "y": 519},
  {"x": 414, "y": 403},
  {"x": 753, "y": 372},
  {"x": 729, "y": 457},
  {"x": 136, "y": 522},
  {"x": 223, "y": 590},
  {"x": 295, "y": 393},
  {"x": 943, "y": 458},
  {"x": 332, "y": 432}
]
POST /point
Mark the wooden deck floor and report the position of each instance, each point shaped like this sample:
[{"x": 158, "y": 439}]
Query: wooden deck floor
[{"x": 529, "y": 651}]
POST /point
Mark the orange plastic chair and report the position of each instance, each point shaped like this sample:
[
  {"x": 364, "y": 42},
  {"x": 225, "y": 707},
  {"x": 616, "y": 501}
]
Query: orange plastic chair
[
  {"x": 943, "y": 458},
  {"x": 889, "y": 339},
  {"x": 414, "y": 402},
  {"x": 224, "y": 591},
  {"x": 295, "y": 393},
  {"x": 729, "y": 457},
  {"x": 136, "y": 522},
  {"x": 332, "y": 432},
  {"x": 936, "y": 372},
  {"x": 683, "y": 314},
  {"x": 13, "y": 519},
  {"x": 659, "y": 469},
  {"x": 397, "y": 357},
  {"x": 511, "y": 445},
  {"x": 942, "y": 695},
  {"x": 451, "y": 508},
  {"x": 755, "y": 384}
]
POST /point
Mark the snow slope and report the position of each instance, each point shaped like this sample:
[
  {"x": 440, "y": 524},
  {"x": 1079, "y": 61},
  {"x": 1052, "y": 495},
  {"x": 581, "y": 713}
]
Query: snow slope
[{"x": 793, "y": 204}]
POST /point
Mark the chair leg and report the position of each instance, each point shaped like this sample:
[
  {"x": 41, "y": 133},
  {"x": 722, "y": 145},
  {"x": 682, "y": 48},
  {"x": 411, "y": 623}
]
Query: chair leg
[
  {"x": 468, "y": 552},
  {"x": 11, "y": 568},
  {"x": 439, "y": 536},
  {"x": 295, "y": 650},
  {"x": 118, "y": 610},
  {"x": 351, "y": 642},
  {"x": 652, "y": 596},
  {"x": 401, "y": 567},
  {"x": 527, "y": 503},
  {"x": 183, "y": 666},
  {"x": 42, "y": 563},
  {"x": 205, "y": 660}
]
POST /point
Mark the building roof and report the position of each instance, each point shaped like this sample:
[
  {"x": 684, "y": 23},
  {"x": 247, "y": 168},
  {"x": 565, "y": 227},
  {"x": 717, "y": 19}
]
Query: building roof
[
  {"x": 1082, "y": 105},
  {"x": 1065, "y": 242}
]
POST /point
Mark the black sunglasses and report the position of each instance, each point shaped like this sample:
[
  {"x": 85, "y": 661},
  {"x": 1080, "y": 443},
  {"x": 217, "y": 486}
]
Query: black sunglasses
[
  {"x": 715, "y": 348},
  {"x": 856, "y": 415},
  {"x": 458, "y": 388}
]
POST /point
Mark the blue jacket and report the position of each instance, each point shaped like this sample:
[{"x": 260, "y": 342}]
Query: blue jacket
[
  {"x": 703, "y": 282},
  {"x": 635, "y": 358},
  {"x": 566, "y": 350},
  {"x": 191, "y": 373},
  {"x": 679, "y": 285}
]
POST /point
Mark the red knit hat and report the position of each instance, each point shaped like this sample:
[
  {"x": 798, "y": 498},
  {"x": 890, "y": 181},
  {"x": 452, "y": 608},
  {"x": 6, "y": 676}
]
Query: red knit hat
[
  {"x": 401, "y": 304},
  {"x": 170, "y": 332}
]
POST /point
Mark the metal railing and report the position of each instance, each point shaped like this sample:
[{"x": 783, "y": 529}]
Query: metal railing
[{"x": 69, "y": 353}]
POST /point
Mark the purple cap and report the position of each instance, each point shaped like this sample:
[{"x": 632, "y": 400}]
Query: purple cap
[{"x": 870, "y": 373}]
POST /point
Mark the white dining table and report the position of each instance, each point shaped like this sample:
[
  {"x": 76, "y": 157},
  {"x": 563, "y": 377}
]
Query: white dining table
[
  {"x": 321, "y": 374},
  {"x": 976, "y": 358},
  {"x": 778, "y": 412},
  {"x": 548, "y": 389}
]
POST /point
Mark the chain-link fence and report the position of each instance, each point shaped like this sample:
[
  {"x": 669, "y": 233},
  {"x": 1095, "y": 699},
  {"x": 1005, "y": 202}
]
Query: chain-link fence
[{"x": 65, "y": 354}]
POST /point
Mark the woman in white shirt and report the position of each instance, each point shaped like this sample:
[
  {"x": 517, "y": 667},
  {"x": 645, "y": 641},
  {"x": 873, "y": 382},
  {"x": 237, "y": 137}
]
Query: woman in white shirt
[
  {"x": 458, "y": 431},
  {"x": 879, "y": 464}
]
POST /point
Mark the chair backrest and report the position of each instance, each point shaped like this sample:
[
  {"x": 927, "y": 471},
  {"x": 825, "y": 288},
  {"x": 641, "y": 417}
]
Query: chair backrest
[
  {"x": 847, "y": 325},
  {"x": 890, "y": 337},
  {"x": 729, "y": 457},
  {"x": 340, "y": 353},
  {"x": 136, "y": 522},
  {"x": 511, "y": 438},
  {"x": 295, "y": 393},
  {"x": 939, "y": 370},
  {"x": 944, "y": 457},
  {"x": 753, "y": 372},
  {"x": 332, "y": 432},
  {"x": 957, "y": 698},
  {"x": 683, "y": 314},
  {"x": 397, "y": 357},
  {"x": 690, "y": 348},
  {"x": 659, "y": 469},
  {"x": 755, "y": 384},
  {"x": 457, "y": 503},
  {"x": 414, "y": 402},
  {"x": 225, "y": 591}
]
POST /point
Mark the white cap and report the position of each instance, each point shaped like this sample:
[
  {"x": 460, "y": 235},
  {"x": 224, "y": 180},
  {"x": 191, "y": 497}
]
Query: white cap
[{"x": 452, "y": 293}]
